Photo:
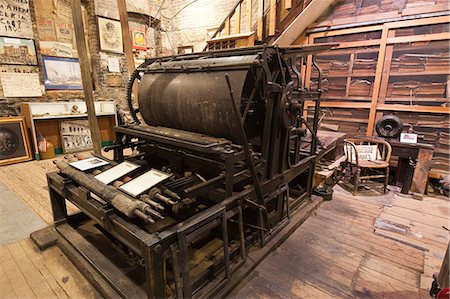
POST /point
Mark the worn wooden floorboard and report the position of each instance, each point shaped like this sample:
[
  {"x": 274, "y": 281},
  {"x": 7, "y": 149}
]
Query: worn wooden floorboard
[{"x": 337, "y": 252}]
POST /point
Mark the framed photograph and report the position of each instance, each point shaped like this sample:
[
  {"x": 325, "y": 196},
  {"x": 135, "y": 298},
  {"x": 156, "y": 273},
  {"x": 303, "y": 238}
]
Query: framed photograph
[
  {"x": 17, "y": 51},
  {"x": 110, "y": 35},
  {"x": 75, "y": 136},
  {"x": 14, "y": 143},
  {"x": 138, "y": 40},
  {"x": 61, "y": 73}
]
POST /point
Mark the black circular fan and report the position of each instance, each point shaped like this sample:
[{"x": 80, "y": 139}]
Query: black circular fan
[{"x": 389, "y": 126}]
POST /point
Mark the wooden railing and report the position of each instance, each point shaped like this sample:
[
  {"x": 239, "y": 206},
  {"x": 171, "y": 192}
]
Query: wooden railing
[{"x": 270, "y": 19}]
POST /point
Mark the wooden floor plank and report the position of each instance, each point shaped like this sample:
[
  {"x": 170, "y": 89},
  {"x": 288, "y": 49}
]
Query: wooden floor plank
[
  {"x": 366, "y": 242},
  {"x": 20, "y": 285},
  {"x": 34, "y": 255},
  {"x": 6, "y": 289},
  {"x": 420, "y": 217},
  {"x": 34, "y": 278},
  {"x": 65, "y": 273}
]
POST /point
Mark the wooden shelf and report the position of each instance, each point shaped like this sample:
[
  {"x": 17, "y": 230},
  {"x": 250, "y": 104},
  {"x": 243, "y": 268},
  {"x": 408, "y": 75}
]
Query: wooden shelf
[
  {"x": 423, "y": 73},
  {"x": 350, "y": 98},
  {"x": 355, "y": 75},
  {"x": 418, "y": 99}
]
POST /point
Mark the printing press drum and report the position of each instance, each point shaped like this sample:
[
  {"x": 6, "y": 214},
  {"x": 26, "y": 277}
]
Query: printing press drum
[{"x": 199, "y": 101}]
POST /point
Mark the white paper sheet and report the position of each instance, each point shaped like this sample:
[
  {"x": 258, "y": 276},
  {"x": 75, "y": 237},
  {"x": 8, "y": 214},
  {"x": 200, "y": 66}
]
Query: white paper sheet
[
  {"x": 144, "y": 182},
  {"x": 116, "y": 172}
]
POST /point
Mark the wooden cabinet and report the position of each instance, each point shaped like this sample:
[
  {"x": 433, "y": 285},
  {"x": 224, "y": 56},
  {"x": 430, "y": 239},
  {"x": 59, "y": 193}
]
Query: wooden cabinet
[{"x": 45, "y": 118}]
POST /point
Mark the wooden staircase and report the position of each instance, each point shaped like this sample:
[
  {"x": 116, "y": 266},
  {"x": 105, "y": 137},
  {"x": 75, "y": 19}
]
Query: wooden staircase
[{"x": 253, "y": 22}]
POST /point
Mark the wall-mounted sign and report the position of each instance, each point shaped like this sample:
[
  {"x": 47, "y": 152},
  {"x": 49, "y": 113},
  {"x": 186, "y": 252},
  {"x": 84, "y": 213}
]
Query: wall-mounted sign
[
  {"x": 49, "y": 48},
  {"x": 61, "y": 73},
  {"x": 138, "y": 6},
  {"x": 16, "y": 18},
  {"x": 17, "y": 51},
  {"x": 30, "y": 86},
  {"x": 408, "y": 137},
  {"x": 110, "y": 35},
  {"x": 107, "y": 9}
]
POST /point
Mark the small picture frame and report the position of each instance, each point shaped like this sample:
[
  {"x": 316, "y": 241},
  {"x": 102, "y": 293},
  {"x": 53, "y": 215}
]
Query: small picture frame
[
  {"x": 15, "y": 50},
  {"x": 75, "y": 136},
  {"x": 14, "y": 142},
  {"x": 62, "y": 73},
  {"x": 110, "y": 35},
  {"x": 138, "y": 40}
]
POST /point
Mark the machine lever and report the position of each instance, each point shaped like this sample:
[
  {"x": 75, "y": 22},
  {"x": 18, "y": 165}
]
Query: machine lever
[{"x": 243, "y": 136}]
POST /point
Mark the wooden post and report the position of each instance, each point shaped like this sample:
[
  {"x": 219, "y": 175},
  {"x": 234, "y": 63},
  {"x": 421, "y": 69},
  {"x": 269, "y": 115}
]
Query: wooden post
[
  {"x": 123, "y": 15},
  {"x": 237, "y": 19},
  {"x": 248, "y": 15},
  {"x": 227, "y": 27},
  {"x": 86, "y": 74},
  {"x": 273, "y": 17},
  {"x": 260, "y": 24}
]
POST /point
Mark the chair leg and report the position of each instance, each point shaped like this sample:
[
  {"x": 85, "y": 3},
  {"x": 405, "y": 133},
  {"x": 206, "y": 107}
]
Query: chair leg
[
  {"x": 357, "y": 174},
  {"x": 386, "y": 178}
]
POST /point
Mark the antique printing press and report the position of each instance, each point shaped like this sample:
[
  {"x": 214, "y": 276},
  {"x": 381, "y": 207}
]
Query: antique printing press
[{"x": 226, "y": 130}]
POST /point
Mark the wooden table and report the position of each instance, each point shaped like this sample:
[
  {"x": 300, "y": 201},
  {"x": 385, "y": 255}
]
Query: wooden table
[{"x": 412, "y": 178}]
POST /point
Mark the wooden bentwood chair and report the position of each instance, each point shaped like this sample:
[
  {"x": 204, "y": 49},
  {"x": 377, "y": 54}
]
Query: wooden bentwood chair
[{"x": 370, "y": 157}]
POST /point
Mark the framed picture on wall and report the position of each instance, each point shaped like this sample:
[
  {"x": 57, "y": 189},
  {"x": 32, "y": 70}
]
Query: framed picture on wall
[
  {"x": 138, "y": 40},
  {"x": 75, "y": 136},
  {"x": 14, "y": 143},
  {"x": 61, "y": 73},
  {"x": 110, "y": 35},
  {"x": 17, "y": 51}
]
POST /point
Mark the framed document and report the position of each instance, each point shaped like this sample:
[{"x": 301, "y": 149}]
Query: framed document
[
  {"x": 116, "y": 172},
  {"x": 110, "y": 35},
  {"x": 144, "y": 182},
  {"x": 62, "y": 73}
]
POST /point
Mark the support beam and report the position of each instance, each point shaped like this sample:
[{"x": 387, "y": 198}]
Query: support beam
[
  {"x": 377, "y": 81},
  {"x": 308, "y": 16},
  {"x": 123, "y": 14},
  {"x": 86, "y": 74}
]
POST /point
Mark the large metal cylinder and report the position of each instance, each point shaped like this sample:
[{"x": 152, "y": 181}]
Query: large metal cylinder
[{"x": 197, "y": 99}]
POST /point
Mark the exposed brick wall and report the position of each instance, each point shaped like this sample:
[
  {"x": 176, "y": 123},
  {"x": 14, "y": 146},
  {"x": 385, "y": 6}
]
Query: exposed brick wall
[{"x": 178, "y": 23}]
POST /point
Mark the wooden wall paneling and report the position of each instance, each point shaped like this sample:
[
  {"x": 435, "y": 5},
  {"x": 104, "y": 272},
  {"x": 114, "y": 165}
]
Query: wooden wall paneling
[
  {"x": 287, "y": 4},
  {"x": 377, "y": 81}
]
